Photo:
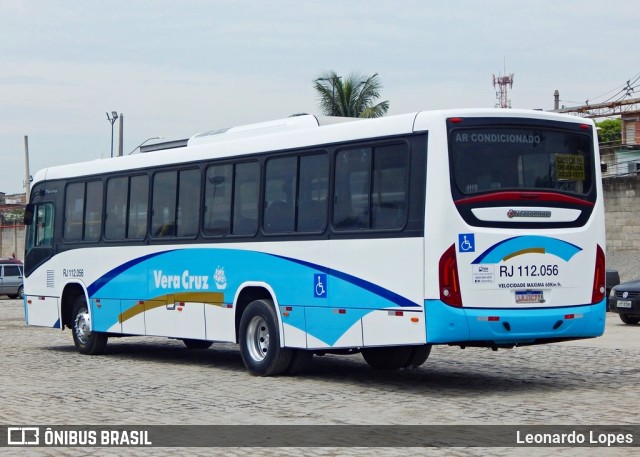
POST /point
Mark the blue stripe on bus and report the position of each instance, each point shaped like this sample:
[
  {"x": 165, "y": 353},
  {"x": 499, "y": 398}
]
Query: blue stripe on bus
[
  {"x": 223, "y": 257},
  {"x": 386, "y": 294},
  {"x": 110, "y": 275}
]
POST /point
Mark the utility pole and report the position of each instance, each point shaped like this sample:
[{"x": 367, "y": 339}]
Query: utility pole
[
  {"x": 112, "y": 120},
  {"x": 120, "y": 135},
  {"x": 27, "y": 175}
]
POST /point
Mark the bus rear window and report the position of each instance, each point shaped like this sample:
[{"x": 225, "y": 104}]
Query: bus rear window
[{"x": 512, "y": 158}]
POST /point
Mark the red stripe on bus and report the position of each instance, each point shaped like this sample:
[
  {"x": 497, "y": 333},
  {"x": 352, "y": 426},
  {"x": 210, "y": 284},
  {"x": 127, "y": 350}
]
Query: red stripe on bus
[{"x": 525, "y": 196}]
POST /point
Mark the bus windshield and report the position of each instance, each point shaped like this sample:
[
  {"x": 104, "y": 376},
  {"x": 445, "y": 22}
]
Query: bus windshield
[{"x": 521, "y": 158}]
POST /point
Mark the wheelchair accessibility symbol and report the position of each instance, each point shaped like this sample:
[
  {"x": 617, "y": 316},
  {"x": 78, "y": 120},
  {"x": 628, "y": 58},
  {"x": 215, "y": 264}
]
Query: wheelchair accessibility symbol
[
  {"x": 466, "y": 242},
  {"x": 320, "y": 285}
]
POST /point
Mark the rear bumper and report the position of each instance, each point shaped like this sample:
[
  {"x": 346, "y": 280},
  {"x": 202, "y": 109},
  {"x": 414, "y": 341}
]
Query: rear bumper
[{"x": 507, "y": 327}]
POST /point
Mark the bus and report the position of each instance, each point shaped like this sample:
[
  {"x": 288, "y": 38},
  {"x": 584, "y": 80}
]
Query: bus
[{"x": 318, "y": 235}]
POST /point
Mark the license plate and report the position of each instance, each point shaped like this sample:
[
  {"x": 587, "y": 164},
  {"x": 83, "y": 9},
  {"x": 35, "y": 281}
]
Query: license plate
[
  {"x": 529, "y": 296},
  {"x": 624, "y": 304}
]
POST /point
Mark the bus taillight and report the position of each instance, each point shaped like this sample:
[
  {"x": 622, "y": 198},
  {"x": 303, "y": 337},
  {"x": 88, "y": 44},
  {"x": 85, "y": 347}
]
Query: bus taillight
[
  {"x": 599, "y": 288},
  {"x": 449, "y": 282}
]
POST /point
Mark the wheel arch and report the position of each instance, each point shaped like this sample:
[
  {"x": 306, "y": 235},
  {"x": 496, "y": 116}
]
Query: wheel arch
[
  {"x": 70, "y": 293},
  {"x": 250, "y": 291}
]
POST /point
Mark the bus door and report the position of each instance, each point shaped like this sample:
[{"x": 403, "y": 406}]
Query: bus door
[{"x": 40, "y": 221}]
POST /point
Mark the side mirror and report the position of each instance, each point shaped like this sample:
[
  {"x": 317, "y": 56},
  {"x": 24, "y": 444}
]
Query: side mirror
[{"x": 28, "y": 214}]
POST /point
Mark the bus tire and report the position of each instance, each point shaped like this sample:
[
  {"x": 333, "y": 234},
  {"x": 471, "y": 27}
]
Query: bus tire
[
  {"x": 86, "y": 341},
  {"x": 631, "y": 320},
  {"x": 387, "y": 358},
  {"x": 419, "y": 355},
  {"x": 260, "y": 340},
  {"x": 300, "y": 362},
  {"x": 197, "y": 344}
]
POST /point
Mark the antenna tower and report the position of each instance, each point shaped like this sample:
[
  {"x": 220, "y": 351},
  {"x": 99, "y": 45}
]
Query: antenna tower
[{"x": 500, "y": 83}]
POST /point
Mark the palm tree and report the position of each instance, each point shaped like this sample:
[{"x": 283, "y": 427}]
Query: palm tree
[{"x": 353, "y": 97}]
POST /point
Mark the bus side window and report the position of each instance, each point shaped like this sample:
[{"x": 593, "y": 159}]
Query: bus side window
[
  {"x": 168, "y": 229},
  {"x": 138, "y": 207},
  {"x": 313, "y": 189},
  {"x": 217, "y": 200},
  {"x": 116, "y": 208},
  {"x": 245, "y": 198},
  {"x": 73, "y": 211},
  {"x": 389, "y": 190},
  {"x": 352, "y": 182},
  {"x": 40, "y": 232},
  {"x": 312, "y": 215},
  {"x": 187, "y": 221},
  {"x": 280, "y": 188},
  {"x": 163, "y": 206}
]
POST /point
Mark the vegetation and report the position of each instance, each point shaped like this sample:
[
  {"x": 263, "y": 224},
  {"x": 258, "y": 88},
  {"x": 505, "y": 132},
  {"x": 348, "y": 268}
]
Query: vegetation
[
  {"x": 609, "y": 130},
  {"x": 12, "y": 217},
  {"x": 355, "y": 96}
]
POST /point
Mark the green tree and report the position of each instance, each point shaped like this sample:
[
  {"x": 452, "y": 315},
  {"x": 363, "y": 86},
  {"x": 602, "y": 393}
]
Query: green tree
[
  {"x": 355, "y": 96},
  {"x": 609, "y": 130}
]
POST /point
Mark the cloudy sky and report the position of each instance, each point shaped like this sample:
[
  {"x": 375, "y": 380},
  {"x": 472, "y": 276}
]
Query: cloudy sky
[{"x": 176, "y": 68}]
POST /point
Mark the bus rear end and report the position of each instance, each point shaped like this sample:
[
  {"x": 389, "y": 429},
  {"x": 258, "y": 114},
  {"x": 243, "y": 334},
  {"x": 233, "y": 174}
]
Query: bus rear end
[{"x": 523, "y": 257}]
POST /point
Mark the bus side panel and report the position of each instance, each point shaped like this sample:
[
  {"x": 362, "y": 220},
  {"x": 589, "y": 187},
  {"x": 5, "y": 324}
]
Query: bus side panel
[
  {"x": 393, "y": 327},
  {"x": 364, "y": 292},
  {"x": 103, "y": 312},
  {"x": 219, "y": 322},
  {"x": 333, "y": 327},
  {"x": 293, "y": 322},
  {"x": 175, "y": 319},
  {"x": 132, "y": 317},
  {"x": 42, "y": 311}
]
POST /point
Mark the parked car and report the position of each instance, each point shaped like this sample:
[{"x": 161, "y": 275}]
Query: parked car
[
  {"x": 612, "y": 279},
  {"x": 625, "y": 300},
  {"x": 11, "y": 278}
]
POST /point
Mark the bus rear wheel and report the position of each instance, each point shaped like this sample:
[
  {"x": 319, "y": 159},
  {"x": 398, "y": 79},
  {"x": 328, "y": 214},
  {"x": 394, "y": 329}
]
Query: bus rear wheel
[
  {"x": 388, "y": 358},
  {"x": 300, "y": 362},
  {"x": 86, "y": 341},
  {"x": 260, "y": 340},
  {"x": 197, "y": 344},
  {"x": 419, "y": 355}
]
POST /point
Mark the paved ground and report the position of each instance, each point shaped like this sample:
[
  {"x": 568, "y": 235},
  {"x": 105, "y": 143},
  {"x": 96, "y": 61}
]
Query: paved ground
[{"x": 153, "y": 381}]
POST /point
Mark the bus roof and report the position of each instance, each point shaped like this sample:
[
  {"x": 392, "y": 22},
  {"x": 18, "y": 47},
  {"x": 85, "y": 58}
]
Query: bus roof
[{"x": 282, "y": 134}]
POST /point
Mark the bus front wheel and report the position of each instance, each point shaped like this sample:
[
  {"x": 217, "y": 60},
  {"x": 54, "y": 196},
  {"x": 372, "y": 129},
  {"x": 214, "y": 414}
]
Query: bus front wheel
[
  {"x": 86, "y": 341},
  {"x": 260, "y": 340}
]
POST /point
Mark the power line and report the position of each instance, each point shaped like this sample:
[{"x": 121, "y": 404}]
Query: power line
[{"x": 624, "y": 90}]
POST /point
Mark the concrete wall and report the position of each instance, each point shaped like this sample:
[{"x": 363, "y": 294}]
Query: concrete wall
[
  {"x": 622, "y": 207},
  {"x": 12, "y": 241}
]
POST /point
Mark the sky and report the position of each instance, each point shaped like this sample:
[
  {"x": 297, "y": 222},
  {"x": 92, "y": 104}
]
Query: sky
[{"x": 177, "y": 68}]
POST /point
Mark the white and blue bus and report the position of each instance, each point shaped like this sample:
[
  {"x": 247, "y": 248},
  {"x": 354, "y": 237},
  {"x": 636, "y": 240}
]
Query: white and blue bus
[{"x": 313, "y": 235}]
